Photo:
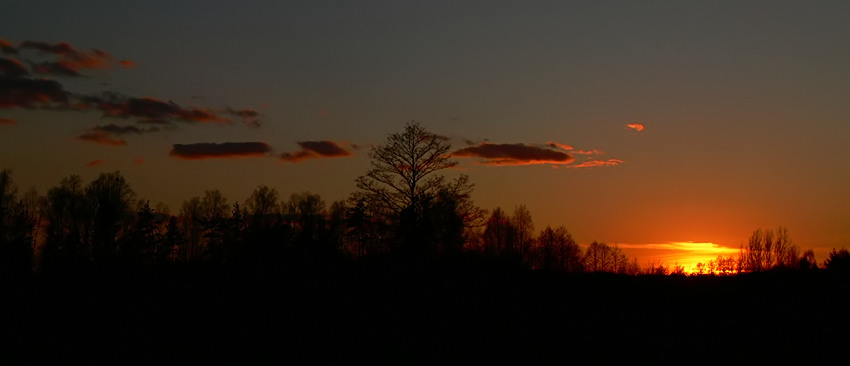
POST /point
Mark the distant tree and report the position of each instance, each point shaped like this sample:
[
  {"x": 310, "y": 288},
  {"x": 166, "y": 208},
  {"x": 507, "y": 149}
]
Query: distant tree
[
  {"x": 306, "y": 213},
  {"x": 191, "y": 221},
  {"x": 67, "y": 212},
  {"x": 498, "y": 234},
  {"x": 656, "y": 268},
  {"x": 600, "y": 257},
  {"x": 262, "y": 208},
  {"x": 110, "y": 198},
  {"x": 556, "y": 250},
  {"x": 524, "y": 232},
  {"x": 16, "y": 229},
  {"x": 838, "y": 261},
  {"x": 766, "y": 251},
  {"x": 807, "y": 261},
  {"x": 214, "y": 211}
]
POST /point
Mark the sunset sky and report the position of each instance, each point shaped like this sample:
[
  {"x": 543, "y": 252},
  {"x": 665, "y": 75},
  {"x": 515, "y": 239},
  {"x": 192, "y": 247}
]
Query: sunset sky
[{"x": 650, "y": 124}]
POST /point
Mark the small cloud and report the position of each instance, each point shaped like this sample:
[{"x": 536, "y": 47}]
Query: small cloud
[
  {"x": 139, "y": 161},
  {"x": 94, "y": 163},
  {"x": 7, "y": 121},
  {"x": 249, "y": 117},
  {"x": 316, "y": 149},
  {"x": 209, "y": 150},
  {"x": 127, "y": 63},
  {"x": 514, "y": 154},
  {"x": 635, "y": 126},
  {"x": 100, "y": 137}
]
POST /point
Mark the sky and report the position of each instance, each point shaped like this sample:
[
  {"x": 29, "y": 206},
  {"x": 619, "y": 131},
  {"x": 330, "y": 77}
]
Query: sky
[{"x": 650, "y": 124}]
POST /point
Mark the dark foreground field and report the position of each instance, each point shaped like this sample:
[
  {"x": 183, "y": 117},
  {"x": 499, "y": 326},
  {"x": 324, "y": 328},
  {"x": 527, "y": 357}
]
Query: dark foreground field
[{"x": 415, "y": 314}]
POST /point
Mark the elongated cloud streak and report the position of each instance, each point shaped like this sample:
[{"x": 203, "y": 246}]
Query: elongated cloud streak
[
  {"x": 314, "y": 150},
  {"x": 7, "y": 121},
  {"x": 209, "y": 150},
  {"x": 596, "y": 163},
  {"x": 514, "y": 154}
]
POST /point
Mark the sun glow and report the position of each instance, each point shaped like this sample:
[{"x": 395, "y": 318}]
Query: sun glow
[{"x": 686, "y": 254}]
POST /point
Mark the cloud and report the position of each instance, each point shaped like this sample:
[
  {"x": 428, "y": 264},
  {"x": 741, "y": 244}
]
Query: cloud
[
  {"x": 100, "y": 137},
  {"x": 316, "y": 149},
  {"x": 595, "y": 163},
  {"x": 30, "y": 93},
  {"x": 557, "y": 145},
  {"x": 94, "y": 163},
  {"x": 635, "y": 126},
  {"x": 514, "y": 154},
  {"x": 139, "y": 161},
  {"x": 249, "y": 117},
  {"x": 148, "y": 109},
  {"x": 69, "y": 60},
  {"x": 7, "y": 121},
  {"x": 12, "y": 67},
  {"x": 114, "y": 129},
  {"x": 6, "y": 47},
  {"x": 19, "y": 89},
  {"x": 209, "y": 150},
  {"x": 104, "y": 135}
]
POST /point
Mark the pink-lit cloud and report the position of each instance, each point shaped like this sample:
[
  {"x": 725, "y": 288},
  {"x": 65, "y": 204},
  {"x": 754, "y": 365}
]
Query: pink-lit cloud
[{"x": 94, "y": 163}]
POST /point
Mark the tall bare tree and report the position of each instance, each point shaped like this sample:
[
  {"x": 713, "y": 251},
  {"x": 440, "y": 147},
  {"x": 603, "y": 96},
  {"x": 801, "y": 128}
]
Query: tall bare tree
[{"x": 404, "y": 168}]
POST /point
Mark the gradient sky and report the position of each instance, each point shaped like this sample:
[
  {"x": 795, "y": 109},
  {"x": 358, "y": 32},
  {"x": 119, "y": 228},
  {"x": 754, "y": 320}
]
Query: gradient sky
[{"x": 744, "y": 104}]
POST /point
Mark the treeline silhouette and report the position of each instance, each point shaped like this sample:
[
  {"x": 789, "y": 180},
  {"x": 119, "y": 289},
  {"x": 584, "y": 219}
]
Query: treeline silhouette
[
  {"x": 406, "y": 270},
  {"x": 100, "y": 224}
]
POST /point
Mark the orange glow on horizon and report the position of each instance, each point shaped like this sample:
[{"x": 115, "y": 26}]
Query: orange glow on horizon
[{"x": 685, "y": 254}]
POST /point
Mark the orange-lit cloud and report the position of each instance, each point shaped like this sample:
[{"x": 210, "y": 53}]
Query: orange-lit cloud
[
  {"x": 316, "y": 149},
  {"x": 100, "y": 137},
  {"x": 595, "y": 163},
  {"x": 514, "y": 154},
  {"x": 635, "y": 126},
  {"x": 7, "y": 121},
  {"x": 127, "y": 63},
  {"x": 94, "y": 163},
  {"x": 139, "y": 161},
  {"x": 219, "y": 150}
]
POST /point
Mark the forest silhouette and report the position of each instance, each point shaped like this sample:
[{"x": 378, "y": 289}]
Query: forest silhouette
[{"x": 406, "y": 270}]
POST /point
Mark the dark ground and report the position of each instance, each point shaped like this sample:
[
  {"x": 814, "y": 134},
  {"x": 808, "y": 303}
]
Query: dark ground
[{"x": 421, "y": 314}]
